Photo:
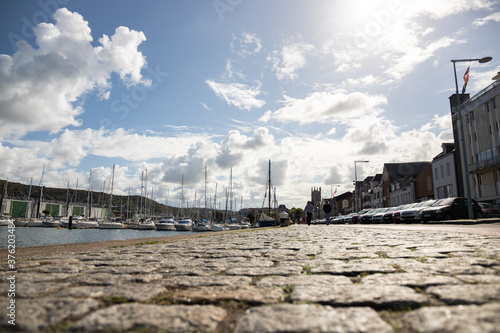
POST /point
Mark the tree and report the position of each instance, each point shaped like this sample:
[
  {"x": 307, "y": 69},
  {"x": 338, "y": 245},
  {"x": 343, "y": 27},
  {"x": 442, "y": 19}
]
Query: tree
[
  {"x": 251, "y": 217},
  {"x": 296, "y": 213}
]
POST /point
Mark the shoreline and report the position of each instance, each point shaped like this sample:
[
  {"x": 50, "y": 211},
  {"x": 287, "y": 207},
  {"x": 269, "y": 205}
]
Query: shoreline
[{"x": 42, "y": 250}]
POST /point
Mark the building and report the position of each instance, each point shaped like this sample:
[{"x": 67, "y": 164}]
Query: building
[
  {"x": 375, "y": 191},
  {"x": 342, "y": 204},
  {"x": 481, "y": 119},
  {"x": 444, "y": 173},
  {"x": 399, "y": 183},
  {"x": 365, "y": 196}
]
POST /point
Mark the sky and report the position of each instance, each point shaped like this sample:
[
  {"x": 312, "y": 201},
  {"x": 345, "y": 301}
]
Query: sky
[{"x": 174, "y": 88}]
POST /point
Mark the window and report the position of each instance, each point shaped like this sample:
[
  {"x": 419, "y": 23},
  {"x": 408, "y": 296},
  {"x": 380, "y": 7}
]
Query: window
[
  {"x": 448, "y": 169},
  {"x": 475, "y": 136},
  {"x": 442, "y": 172},
  {"x": 435, "y": 173}
]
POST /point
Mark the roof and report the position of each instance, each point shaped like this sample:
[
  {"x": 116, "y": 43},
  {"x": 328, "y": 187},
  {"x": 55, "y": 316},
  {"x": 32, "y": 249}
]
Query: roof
[{"x": 397, "y": 171}]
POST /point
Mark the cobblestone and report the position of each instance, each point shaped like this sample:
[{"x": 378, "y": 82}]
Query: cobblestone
[{"x": 296, "y": 279}]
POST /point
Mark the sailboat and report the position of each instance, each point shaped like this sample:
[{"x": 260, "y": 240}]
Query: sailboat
[
  {"x": 267, "y": 220},
  {"x": 111, "y": 224},
  {"x": 37, "y": 222}
]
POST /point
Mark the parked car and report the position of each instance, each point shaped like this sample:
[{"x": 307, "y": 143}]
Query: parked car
[
  {"x": 355, "y": 217},
  {"x": 396, "y": 215},
  {"x": 387, "y": 218},
  {"x": 412, "y": 214},
  {"x": 489, "y": 210},
  {"x": 367, "y": 217},
  {"x": 450, "y": 208},
  {"x": 378, "y": 217}
]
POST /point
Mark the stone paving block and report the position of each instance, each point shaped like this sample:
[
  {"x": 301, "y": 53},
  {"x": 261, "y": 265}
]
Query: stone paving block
[
  {"x": 377, "y": 296},
  {"x": 38, "y": 289},
  {"x": 460, "y": 269},
  {"x": 304, "y": 280},
  {"x": 467, "y": 293},
  {"x": 131, "y": 269},
  {"x": 102, "y": 279},
  {"x": 472, "y": 279},
  {"x": 211, "y": 280},
  {"x": 455, "y": 319},
  {"x": 250, "y": 294},
  {"x": 353, "y": 269},
  {"x": 420, "y": 280},
  {"x": 45, "y": 277},
  {"x": 178, "y": 318},
  {"x": 34, "y": 315},
  {"x": 311, "y": 318},
  {"x": 262, "y": 271},
  {"x": 134, "y": 292}
]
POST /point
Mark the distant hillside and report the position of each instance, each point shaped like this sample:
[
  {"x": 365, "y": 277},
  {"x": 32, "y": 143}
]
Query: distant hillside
[{"x": 20, "y": 191}]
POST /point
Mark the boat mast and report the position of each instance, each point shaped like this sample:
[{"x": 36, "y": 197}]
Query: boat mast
[
  {"x": 29, "y": 197},
  {"x": 146, "y": 194},
  {"x": 111, "y": 193},
  {"x": 67, "y": 201},
  {"x": 269, "y": 188},
  {"x": 215, "y": 202},
  {"x": 206, "y": 217},
  {"x": 41, "y": 193},
  {"x": 89, "y": 201}
]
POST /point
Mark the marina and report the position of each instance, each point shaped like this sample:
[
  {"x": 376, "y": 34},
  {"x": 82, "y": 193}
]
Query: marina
[{"x": 52, "y": 236}]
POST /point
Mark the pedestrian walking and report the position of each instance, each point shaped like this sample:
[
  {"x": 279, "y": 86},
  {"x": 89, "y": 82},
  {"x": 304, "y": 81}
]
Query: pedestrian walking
[
  {"x": 308, "y": 211},
  {"x": 327, "y": 209}
]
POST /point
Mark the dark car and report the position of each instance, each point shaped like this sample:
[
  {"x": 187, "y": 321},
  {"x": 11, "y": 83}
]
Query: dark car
[
  {"x": 387, "y": 217},
  {"x": 356, "y": 217},
  {"x": 450, "y": 209},
  {"x": 367, "y": 217},
  {"x": 396, "y": 215},
  {"x": 489, "y": 210}
]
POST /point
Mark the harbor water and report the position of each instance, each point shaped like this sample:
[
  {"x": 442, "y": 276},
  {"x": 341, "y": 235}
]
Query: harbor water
[{"x": 31, "y": 236}]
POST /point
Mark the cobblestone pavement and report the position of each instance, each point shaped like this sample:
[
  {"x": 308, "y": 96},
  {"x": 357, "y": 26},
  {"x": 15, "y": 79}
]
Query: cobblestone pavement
[{"x": 296, "y": 279}]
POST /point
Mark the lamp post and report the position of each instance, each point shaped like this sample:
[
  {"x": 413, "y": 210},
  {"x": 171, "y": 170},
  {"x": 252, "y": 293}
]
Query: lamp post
[
  {"x": 356, "y": 185},
  {"x": 458, "y": 114}
]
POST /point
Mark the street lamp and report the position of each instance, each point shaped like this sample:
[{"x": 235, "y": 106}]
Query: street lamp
[
  {"x": 458, "y": 113},
  {"x": 356, "y": 185}
]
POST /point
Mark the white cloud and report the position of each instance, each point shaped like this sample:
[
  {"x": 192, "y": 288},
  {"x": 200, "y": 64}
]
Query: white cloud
[
  {"x": 495, "y": 17},
  {"x": 325, "y": 107},
  {"x": 238, "y": 94},
  {"x": 40, "y": 87},
  {"x": 291, "y": 58},
  {"x": 246, "y": 45}
]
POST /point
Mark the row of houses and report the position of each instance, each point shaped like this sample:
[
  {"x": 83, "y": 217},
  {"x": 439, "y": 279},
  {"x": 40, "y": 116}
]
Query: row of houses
[{"x": 452, "y": 172}]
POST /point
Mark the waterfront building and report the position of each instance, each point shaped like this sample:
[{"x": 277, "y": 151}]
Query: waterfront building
[{"x": 481, "y": 119}]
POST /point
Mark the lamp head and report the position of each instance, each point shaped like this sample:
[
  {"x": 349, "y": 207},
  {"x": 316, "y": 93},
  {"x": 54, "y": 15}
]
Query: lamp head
[{"x": 485, "y": 59}]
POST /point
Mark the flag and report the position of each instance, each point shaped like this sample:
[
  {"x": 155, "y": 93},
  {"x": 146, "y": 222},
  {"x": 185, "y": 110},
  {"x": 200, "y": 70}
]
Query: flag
[{"x": 466, "y": 79}]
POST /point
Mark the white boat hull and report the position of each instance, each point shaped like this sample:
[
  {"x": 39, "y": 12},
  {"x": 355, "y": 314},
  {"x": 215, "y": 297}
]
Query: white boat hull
[
  {"x": 35, "y": 224},
  {"x": 51, "y": 224},
  {"x": 183, "y": 227},
  {"x": 87, "y": 225},
  {"x": 6, "y": 222},
  {"x": 111, "y": 225},
  {"x": 217, "y": 227},
  {"x": 20, "y": 223},
  {"x": 147, "y": 226},
  {"x": 201, "y": 228},
  {"x": 165, "y": 227}
]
